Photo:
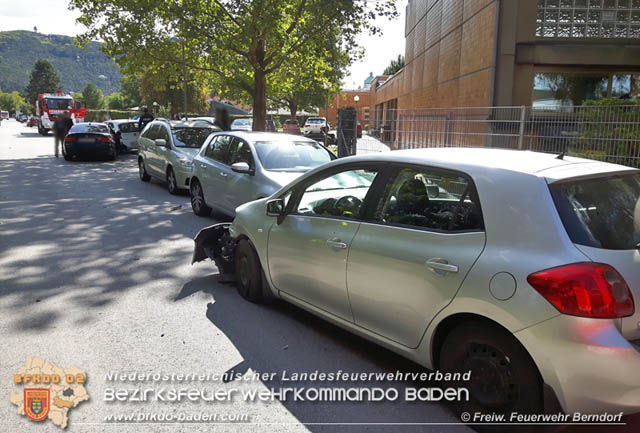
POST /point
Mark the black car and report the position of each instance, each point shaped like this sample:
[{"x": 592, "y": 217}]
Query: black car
[{"x": 89, "y": 139}]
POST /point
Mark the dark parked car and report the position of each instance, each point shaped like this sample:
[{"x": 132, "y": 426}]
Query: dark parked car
[{"x": 89, "y": 139}]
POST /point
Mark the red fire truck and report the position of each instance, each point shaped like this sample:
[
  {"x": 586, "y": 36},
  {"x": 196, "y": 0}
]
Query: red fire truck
[{"x": 50, "y": 106}]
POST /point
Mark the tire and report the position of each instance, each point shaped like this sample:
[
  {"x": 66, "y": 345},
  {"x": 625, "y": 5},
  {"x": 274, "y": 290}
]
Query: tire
[
  {"x": 198, "y": 204},
  {"x": 65, "y": 155},
  {"x": 172, "y": 183},
  {"x": 142, "y": 171},
  {"x": 509, "y": 382},
  {"x": 248, "y": 272}
]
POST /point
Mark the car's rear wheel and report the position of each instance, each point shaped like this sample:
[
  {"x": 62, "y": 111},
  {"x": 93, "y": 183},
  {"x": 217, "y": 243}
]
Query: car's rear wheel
[
  {"x": 198, "y": 204},
  {"x": 248, "y": 272},
  {"x": 172, "y": 182},
  {"x": 142, "y": 171},
  {"x": 504, "y": 378}
]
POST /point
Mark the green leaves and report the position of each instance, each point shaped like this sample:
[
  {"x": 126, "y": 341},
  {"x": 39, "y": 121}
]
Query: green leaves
[
  {"x": 292, "y": 44},
  {"x": 43, "y": 79}
]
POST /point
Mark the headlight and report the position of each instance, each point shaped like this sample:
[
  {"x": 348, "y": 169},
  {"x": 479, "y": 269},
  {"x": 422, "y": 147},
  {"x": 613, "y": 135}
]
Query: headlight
[{"x": 185, "y": 162}]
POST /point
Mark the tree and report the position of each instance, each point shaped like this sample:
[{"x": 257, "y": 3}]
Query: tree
[
  {"x": 165, "y": 86},
  {"x": 93, "y": 97},
  {"x": 116, "y": 101},
  {"x": 243, "y": 43},
  {"x": 574, "y": 87},
  {"x": 43, "y": 79},
  {"x": 299, "y": 88},
  {"x": 130, "y": 90},
  {"x": 394, "y": 66}
]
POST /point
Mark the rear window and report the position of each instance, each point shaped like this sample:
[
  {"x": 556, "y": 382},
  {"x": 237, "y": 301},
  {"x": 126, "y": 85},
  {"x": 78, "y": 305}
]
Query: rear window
[
  {"x": 86, "y": 127},
  {"x": 602, "y": 212},
  {"x": 315, "y": 121},
  {"x": 128, "y": 127},
  {"x": 191, "y": 137}
]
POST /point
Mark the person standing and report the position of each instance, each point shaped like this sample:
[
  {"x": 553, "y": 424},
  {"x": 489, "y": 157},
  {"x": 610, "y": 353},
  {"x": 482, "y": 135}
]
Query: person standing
[
  {"x": 61, "y": 128},
  {"x": 145, "y": 118},
  {"x": 222, "y": 119}
]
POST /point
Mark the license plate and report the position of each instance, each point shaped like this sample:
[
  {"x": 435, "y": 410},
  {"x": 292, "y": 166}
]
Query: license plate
[{"x": 86, "y": 141}]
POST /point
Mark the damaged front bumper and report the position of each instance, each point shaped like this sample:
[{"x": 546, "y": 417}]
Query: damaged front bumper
[{"x": 215, "y": 242}]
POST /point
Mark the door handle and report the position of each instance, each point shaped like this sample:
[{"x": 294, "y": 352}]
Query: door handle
[
  {"x": 203, "y": 166},
  {"x": 438, "y": 264},
  {"x": 223, "y": 174},
  {"x": 337, "y": 243}
]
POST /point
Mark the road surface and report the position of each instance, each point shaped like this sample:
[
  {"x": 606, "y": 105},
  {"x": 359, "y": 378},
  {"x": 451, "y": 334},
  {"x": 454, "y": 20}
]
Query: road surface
[{"x": 95, "y": 273}]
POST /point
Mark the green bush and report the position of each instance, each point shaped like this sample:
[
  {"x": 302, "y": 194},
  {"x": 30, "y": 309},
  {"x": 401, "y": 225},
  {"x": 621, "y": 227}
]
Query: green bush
[{"x": 102, "y": 115}]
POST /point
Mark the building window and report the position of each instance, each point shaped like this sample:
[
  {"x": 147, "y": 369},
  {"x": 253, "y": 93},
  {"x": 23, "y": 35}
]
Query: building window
[
  {"x": 366, "y": 113},
  {"x": 588, "y": 19},
  {"x": 562, "y": 91}
]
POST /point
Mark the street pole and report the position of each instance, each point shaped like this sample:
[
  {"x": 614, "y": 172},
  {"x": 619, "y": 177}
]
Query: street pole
[{"x": 184, "y": 75}]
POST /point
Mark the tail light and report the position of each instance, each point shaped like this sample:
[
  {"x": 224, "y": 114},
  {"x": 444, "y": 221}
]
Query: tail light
[
  {"x": 69, "y": 139},
  {"x": 585, "y": 289},
  {"x": 104, "y": 139}
]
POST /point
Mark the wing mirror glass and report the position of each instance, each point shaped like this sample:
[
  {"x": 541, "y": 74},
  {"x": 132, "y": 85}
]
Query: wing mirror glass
[
  {"x": 275, "y": 207},
  {"x": 161, "y": 142},
  {"x": 241, "y": 167},
  {"x": 433, "y": 191}
]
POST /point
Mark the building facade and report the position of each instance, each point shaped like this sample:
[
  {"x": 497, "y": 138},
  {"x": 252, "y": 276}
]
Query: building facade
[{"x": 480, "y": 53}]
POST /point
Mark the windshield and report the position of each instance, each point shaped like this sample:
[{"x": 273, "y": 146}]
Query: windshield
[
  {"x": 59, "y": 103},
  {"x": 85, "y": 127},
  {"x": 191, "y": 137},
  {"x": 602, "y": 212},
  {"x": 291, "y": 155}
]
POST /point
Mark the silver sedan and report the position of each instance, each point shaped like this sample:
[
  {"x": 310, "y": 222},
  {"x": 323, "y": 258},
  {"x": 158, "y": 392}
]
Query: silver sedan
[
  {"x": 520, "y": 267},
  {"x": 233, "y": 168}
]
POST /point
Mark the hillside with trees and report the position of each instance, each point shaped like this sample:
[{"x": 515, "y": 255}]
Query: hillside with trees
[{"x": 75, "y": 66}]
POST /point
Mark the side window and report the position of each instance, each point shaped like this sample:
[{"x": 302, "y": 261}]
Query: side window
[
  {"x": 241, "y": 153},
  {"x": 430, "y": 199},
  {"x": 339, "y": 195},
  {"x": 152, "y": 132},
  {"x": 163, "y": 133},
  {"x": 220, "y": 149}
]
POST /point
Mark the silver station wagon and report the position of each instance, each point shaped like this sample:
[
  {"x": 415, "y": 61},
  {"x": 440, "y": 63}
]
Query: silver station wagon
[
  {"x": 233, "y": 168},
  {"x": 521, "y": 267}
]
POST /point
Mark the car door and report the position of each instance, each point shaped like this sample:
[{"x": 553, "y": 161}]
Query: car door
[
  {"x": 216, "y": 158},
  {"x": 147, "y": 147},
  {"x": 129, "y": 133},
  {"x": 240, "y": 187},
  {"x": 163, "y": 154},
  {"x": 408, "y": 261},
  {"x": 307, "y": 252}
]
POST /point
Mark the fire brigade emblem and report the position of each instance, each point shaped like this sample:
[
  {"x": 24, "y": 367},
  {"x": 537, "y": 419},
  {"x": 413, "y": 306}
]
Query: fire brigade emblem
[{"x": 36, "y": 403}]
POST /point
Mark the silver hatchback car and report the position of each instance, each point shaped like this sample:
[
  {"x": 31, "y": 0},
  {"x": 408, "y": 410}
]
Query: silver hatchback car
[
  {"x": 233, "y": 168},
  {"x": 520, "y": 267}
]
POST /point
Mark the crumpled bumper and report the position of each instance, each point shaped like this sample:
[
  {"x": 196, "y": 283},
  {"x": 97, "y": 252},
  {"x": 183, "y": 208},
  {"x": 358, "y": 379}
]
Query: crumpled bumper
[{"x": 215, "y": 242}]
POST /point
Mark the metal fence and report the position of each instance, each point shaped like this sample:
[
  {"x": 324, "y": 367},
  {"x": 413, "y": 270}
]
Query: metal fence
[{"x": 609, "y": 133}]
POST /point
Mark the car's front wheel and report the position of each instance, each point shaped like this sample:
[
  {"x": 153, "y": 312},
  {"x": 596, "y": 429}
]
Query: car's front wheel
[
  {"x": 504, "y": 378},
  {"x": 142, "y": 171},
  {"x": 172, "y": 182},
  {"x": 248, "y": 272},
  {"x": 198, "y": 204}
]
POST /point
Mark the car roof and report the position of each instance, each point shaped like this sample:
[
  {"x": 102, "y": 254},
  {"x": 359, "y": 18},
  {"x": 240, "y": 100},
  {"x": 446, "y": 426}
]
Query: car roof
[
  {"x": 123, "y": 121},
  {"x": 481, "y": 161},
  {"x": 254, "y": 136}
]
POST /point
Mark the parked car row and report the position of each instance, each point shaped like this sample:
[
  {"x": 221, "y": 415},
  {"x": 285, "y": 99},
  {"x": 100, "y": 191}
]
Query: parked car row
[{"x": 520, "y": 267}]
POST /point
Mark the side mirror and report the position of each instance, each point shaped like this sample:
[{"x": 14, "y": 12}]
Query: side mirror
[
  {"x": 241, "y": 167},
  {"x": 433, "y": 191},
  {"x": 161, "y": 142},
  {"x": 275, "y": 207}
]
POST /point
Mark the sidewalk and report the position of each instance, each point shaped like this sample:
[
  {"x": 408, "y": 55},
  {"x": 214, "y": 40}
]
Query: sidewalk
[{"x": 368, "y": 144}]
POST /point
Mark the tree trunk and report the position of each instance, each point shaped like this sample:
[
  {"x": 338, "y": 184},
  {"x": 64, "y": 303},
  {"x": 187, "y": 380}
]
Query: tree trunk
[
  {"x": 259, "y": 100},
  {"x": 293, "y": 106}
]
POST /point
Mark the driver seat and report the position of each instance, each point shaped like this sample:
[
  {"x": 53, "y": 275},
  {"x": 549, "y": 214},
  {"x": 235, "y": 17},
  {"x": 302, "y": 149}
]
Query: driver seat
[{"x": 412, "y": 200}]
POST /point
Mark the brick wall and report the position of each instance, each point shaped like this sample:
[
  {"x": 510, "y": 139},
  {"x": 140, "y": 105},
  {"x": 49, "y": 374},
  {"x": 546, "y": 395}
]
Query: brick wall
[
  {"x": 345, "y": 99},
  {"x": 449, "y": 55}
]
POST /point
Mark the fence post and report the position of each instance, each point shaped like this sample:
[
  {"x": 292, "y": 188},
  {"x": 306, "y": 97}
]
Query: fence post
[{"x": 523, "y": 115}]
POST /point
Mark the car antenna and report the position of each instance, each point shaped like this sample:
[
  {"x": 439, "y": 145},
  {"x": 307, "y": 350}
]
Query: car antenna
[{"x": 561, "y": 156}]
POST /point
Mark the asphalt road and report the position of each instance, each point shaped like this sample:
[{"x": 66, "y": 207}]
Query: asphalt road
[{"x": 95, "y": 272}]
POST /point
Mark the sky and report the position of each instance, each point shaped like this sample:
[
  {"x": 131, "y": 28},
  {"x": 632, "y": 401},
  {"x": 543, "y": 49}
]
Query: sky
[{"x": 54, "y": 17}]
